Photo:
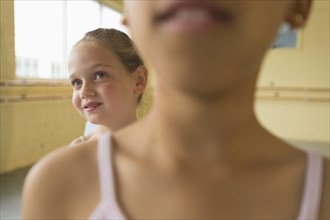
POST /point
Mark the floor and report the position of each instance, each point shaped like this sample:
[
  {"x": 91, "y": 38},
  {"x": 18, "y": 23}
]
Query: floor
[{"x": 10, "y": 194}]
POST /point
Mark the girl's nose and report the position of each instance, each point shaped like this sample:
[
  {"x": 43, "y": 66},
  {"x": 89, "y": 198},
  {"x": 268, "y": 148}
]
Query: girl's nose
[{"x": 87, "y": 91}]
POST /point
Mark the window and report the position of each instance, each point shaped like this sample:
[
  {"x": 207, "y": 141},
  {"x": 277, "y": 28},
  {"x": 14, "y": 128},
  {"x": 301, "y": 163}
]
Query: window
[{"x": 45, "y": 32}]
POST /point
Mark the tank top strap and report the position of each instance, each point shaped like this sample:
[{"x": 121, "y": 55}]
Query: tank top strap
[
  {"x": 106, "y": 176},
  {"x": 310, "y": 204}
]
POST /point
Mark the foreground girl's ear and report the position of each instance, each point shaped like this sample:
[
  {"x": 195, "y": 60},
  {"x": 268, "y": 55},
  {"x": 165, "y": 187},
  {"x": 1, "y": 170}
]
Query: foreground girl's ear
[
  {"x": 299, "y": 13},
  {"x": 141, "y": 78}
]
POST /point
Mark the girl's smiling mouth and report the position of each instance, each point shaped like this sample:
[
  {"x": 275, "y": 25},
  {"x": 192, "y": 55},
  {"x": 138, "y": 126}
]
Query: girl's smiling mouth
[
  {"x": 191, "y": 16},
  {"x": 91, "y": 106}
]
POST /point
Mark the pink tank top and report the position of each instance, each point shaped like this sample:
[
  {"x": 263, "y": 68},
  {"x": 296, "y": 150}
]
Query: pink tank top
[{"x": 108, "y": 208}]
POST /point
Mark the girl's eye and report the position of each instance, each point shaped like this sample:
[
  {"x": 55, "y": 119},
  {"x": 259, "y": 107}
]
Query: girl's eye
[
  {"x": 100, "y": 75},
  {"x": 76, "y": 83}
]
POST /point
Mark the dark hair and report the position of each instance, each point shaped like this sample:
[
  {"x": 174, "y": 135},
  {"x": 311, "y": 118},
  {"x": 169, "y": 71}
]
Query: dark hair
[{"x": 120, "y": 44}]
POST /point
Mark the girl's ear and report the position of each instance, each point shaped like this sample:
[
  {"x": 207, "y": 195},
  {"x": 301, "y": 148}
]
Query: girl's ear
[
  {"x": 141, "y": 79},
  {"x": 299, "y": 13}
]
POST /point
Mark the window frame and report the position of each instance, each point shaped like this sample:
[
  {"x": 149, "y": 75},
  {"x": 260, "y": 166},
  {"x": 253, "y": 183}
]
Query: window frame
[{"x": 38, "y": 81}]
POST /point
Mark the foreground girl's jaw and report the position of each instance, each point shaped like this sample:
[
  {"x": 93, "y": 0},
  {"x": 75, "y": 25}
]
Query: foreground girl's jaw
[{"x": 224, "y": 44}]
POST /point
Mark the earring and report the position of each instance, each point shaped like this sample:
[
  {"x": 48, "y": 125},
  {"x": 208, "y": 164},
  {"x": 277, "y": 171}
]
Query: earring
[
  {"x": 299, "y": 19},
  {"x": 124, "y": 20},
  {"x": 296, "y": 21}
]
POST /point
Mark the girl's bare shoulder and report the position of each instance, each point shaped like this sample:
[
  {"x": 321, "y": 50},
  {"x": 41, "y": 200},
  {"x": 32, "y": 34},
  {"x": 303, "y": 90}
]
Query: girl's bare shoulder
[
  {"x": 325, "y": 202},
  {"x": 53, "y": 180}
]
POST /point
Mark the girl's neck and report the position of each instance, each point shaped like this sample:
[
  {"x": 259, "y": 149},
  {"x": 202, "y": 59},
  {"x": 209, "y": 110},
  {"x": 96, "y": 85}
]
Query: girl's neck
[
  {"x": 184, "y": 127},
  {"x": 116, "y": 125}
]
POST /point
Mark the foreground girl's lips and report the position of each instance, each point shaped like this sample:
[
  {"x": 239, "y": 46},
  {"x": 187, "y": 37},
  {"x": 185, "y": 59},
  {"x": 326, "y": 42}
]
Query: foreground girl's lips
[{"x": 192, "y": 16}]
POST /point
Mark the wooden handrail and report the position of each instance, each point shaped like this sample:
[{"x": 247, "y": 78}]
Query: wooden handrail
[
  {"x": 67, "y": 83},
  {"x": 33, "y": 98},
  {"x": 11, "y": 83},
  {"x": 281, "y": 93},
  {"x": 301, "y": 94},
  {"x": 295, "y": 99},
  {"x": 293, "y": 89}
]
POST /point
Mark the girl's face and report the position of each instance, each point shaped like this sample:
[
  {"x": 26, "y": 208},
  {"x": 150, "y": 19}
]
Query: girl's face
[
  {"x": 206, "y": 46},
  {"x": 103, "y": 90}
]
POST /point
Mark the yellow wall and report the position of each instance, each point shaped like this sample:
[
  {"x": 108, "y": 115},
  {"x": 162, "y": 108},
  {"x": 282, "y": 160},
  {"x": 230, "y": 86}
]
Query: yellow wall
[
  {"x": 31, "y": 129},
  {"x": 117, "y": 5},
  {"x": 31, "y": 126},
  {"x": 294, "y": 86},
  {"x": 7, "y": 52}
]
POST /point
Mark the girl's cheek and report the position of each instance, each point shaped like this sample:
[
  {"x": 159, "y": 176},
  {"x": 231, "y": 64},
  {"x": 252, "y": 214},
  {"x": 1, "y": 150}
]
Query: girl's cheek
[{"x": 76, "y": 100}]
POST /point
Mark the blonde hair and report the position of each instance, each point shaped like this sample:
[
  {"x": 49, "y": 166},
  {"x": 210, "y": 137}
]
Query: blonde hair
[{"x": 119, "y": 43}]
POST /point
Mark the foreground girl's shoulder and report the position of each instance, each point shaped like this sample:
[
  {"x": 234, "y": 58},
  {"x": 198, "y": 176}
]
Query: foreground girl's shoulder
[
  {"x": 55, "y": 181},
  {"x": 325, "y": 202}
]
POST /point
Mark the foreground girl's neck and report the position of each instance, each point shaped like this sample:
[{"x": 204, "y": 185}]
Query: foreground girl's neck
[{"x": 184, "y": 127}]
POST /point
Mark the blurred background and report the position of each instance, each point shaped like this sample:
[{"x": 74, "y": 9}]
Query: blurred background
[{"x": 35, "y": 95}]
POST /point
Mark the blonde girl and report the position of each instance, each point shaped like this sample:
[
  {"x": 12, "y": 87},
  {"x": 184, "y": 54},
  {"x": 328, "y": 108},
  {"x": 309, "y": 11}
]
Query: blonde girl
[{"x": 108, "y": 79}]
